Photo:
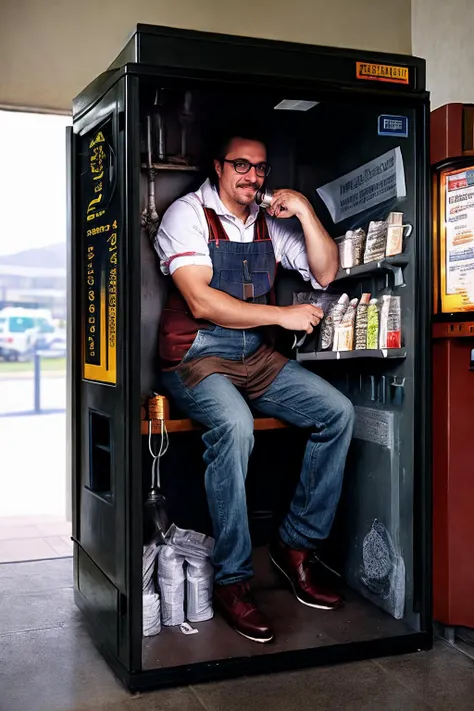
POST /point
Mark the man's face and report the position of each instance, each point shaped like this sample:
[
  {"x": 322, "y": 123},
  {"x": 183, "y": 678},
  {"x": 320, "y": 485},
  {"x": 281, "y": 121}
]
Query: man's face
[{"x": 241, "y": 187}]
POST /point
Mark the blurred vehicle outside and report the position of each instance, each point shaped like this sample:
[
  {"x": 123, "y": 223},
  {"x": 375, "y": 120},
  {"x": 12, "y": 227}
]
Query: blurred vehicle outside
[{"x": 24, "y": 331}]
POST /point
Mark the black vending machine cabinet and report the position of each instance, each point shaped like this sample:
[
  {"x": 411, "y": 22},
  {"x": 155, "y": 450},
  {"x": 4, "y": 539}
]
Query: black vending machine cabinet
[{"x": 349, "y": 130}]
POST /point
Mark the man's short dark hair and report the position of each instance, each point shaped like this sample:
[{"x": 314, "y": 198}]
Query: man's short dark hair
[{"x": 223, "y": 139}]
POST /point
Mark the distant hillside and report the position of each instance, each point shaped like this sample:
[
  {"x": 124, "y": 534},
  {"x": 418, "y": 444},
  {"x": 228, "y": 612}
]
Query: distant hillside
[{"x": 53, "y": 256}]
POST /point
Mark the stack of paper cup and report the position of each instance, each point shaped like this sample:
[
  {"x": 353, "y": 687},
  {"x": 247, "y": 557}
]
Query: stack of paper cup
[{"x": 171, "y": 581}]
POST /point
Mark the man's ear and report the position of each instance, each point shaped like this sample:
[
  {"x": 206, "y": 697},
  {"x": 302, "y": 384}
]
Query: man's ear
[{"x": 218, "y": 168}]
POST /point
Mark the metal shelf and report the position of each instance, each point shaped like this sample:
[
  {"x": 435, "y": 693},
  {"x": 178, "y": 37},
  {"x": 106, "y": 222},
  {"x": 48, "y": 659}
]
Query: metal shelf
[
  {"x": 391, "y": 264},
  {"x": 171, "y": 166},
  {"x": 381, "y": 353}
]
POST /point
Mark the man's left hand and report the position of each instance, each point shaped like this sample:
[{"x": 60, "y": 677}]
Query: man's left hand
[{"x": 288, "y": 203}]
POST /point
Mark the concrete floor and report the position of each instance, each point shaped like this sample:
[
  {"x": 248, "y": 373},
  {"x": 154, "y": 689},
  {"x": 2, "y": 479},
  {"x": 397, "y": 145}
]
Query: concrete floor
[
  {"x": 25, "y": 538},
  {"x": 48, "y": 663}
]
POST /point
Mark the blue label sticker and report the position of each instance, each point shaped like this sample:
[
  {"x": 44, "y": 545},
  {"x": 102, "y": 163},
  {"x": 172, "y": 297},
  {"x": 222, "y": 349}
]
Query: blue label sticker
[{"x": 393, "y": 126}]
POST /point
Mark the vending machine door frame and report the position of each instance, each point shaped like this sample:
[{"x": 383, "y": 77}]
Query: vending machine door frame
[
  {"x": 109, "y": 585},
  {"x": 127, "y": 664}
]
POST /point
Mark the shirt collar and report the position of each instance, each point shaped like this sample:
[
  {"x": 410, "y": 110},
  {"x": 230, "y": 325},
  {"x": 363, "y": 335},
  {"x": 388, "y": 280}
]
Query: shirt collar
[{"x": 210, "y": 198}]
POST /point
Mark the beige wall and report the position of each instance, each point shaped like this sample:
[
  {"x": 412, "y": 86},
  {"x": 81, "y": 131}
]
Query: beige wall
[
  {"x": 51, "y": 49},
  {"x": 443, "y": 33}
]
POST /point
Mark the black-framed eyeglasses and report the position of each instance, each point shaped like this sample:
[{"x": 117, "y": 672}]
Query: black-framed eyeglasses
[{"x": 242, "y": 166}]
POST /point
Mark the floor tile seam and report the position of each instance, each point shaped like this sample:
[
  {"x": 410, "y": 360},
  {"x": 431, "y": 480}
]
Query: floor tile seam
[
  {"x": 50, "y": 545},
  {"x": 468, "y": 654},
  {"x": 406, "y": 686},
  {"x": 37, "y": 537},
  {"x": 43, "y": 591},
  {"x": 31, "y": 560},
  {"x": 60, "y": 574},
  {"x": 310, "y": 667},
  {"x": 36, "y": 560},
  {"x": 6, "y": 597},
  {"x": 393, "y": 678},
  {"x": 200, "y": 701},
  {"x": 454, "y": 646},
  {"x": 65, "y": 626}
]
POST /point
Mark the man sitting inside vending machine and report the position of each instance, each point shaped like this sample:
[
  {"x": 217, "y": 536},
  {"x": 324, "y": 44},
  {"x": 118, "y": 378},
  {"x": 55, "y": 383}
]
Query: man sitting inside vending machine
[{"x": 216, "y": 347}]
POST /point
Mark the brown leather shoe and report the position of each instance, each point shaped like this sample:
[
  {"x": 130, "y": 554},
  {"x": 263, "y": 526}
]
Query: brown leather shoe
[
  {"x": 298, "y": 569},
  {"x": 236, "y": 605}
]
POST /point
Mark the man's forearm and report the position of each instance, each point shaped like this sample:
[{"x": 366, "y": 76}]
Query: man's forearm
[
  {"x": 321, "y": 249},
  {"x": 224, "y": 310}
]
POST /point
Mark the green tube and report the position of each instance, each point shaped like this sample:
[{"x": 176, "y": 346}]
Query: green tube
[{"x": 373, "y": 325}]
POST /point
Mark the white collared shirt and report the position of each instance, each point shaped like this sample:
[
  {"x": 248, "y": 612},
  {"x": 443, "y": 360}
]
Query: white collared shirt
[{"x": 183, "y": 235}]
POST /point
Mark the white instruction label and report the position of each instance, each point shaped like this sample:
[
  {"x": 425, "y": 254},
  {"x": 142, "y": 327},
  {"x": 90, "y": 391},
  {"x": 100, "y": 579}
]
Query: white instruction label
[{"x": 370, "y": 184}]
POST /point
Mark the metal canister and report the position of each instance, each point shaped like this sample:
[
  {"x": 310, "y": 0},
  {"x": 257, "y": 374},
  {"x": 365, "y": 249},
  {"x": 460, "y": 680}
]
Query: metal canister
[
  {"x": 264, "y": 197},
  {"x": 158, "y": 407}
]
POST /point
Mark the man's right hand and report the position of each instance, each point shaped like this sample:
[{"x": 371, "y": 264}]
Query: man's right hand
[
  {"x": 213, "y": 305},
  {"x": 300, "y": 317}
]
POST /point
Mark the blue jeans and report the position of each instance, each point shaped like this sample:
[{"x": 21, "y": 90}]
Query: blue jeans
[{"x": 297, "y": 396}]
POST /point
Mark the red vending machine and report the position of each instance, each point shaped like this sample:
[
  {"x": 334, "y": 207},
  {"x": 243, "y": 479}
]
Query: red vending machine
[{"x": 452, "y": 159}]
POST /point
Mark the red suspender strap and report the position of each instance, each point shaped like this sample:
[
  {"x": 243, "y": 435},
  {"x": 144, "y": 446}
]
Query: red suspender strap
[
  {"x": 216, "y": 231},
  {"x": 261, "y": 229}
]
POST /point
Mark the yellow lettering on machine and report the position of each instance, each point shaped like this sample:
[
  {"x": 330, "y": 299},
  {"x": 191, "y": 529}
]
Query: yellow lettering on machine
[
  {"x": 382, "y": 72},
  {"x": 98, "y": 139}
]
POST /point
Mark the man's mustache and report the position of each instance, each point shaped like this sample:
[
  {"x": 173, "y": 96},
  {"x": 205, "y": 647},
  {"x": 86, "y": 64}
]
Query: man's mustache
[{"x": 254, "y": 186}]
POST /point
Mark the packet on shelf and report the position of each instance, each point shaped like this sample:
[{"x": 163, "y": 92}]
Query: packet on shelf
[
  {"x": 373, "y": 325},
  {"x": 394, "y": 234},
  {"x": 344, "y": 331},
  {"x": 360, "y": 335},
  {"x": 390, "y": 322},
  {"x": 376, "y": 242},
  {"x": 351, "y": 248},
  {"x": 331, "y": 320}
]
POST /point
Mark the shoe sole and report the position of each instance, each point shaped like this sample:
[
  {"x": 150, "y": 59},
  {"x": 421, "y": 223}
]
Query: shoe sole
[
  {"x": 242, "y": 634},
  {"x": 303, "y": 602},
  {"x": 254, "y": 639}
]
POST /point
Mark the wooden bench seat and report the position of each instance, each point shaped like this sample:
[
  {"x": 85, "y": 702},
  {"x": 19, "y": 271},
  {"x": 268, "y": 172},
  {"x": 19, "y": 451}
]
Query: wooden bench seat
[
  {"x": 260, "y": 423},
  {"x": 188, "y": 425}
]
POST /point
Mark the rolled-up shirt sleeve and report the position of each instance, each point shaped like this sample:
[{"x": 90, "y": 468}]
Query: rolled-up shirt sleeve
[
  {"x": 182, "y": 238},
  {"x": 290, "y": 247}
]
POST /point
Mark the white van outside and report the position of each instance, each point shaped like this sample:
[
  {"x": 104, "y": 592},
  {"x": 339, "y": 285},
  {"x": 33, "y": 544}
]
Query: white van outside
[{"x": 22, "y": 330}]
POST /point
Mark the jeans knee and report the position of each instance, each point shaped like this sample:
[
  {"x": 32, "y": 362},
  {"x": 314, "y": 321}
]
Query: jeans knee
[
  {"x": 235, "y": 431},
  {"x": 241, "y": 430},
  {"x": 345, "y": 413}
]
